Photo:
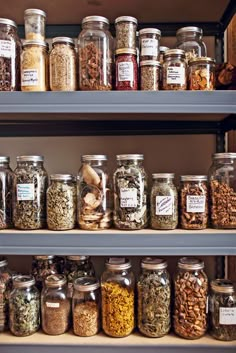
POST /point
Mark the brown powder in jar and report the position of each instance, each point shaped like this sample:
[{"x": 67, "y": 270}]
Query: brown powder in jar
[
  {"x": 55, "y": 316},
  {"x": 86, "y": 319}
]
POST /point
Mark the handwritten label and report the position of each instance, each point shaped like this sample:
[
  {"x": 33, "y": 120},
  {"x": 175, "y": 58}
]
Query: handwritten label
[
  {"x": 164, "y": 205},
  {"x": 227, "y": 316},
  {"x": 30, "y": 77},
  {"x": 149, "y": 46},
  {"x": 7, "y": 49},
  {"x": 128, "y": 197},
  {"x": 52, "y": 305},
  {"x": 25, "y": 192},
  {"x": 175, "y": 75},
  {"x": 125, "y": 71},
  {"x": 196, "y": 204}
]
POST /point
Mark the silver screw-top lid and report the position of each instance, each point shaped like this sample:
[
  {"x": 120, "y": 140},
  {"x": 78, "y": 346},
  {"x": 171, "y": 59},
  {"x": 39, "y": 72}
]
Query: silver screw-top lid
[
  {"x": 23, "y": 281},
  {"x": 118, "y": 263},
  {"x": 95, "y": 19},
  {"x": 222, "y": 286},
  {"x": 150, "y": 63},
  {"x": 29, "y": 158},
  {"x": 4, "y": 159},
  {"x": 190, "y": 263},
  {"x": 171, "y": 52},
  {"x": 153, "y": 263},
  {"x": 77, "y": 257},
  {"x": 55, "y": 281},
  {"x": 44, "y": 257},
  {"x": 163, "y": 49},
  {"x": 29, "y": 12},
  {"x": 224, "y": 155},
  {"x": 61, "y": 177},
  {"x": 126, "y": 51},
  {"x": 37, "y": 42},
  {"x": 93, "y": 157},
  {"x": 192, "y": 29},
  {"x": 86, "y": 284},
  {"x": 150, "y": 31},
  {"x": 63, "y": 40},
  {"x": 123, "y": 157},
  {"x": 193, "y": 177},
  {"x": 6, "y": 21},
  {"x": 163, "y": 176},
  {"x": 126, "y": 19}
]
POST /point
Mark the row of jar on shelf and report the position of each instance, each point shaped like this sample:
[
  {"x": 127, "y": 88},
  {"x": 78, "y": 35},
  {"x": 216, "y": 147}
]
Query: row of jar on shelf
[{"x": 28, "y": 203}]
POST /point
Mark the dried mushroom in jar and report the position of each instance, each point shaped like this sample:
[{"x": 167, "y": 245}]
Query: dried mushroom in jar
[{"x": 202, "y": 74}]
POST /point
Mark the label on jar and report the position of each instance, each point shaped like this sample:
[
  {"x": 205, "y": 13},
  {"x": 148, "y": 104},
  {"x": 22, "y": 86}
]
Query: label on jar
[
  {"x": 227, "y": 316},
  {"x": 164, "y": 205},
  {"x": 7, "y": 49},
  {"x": 128, "y": 197},
  {"x": 196, "y": 204},
  {"x": 149, "y": 46},
  {"x": 125, "y": 71},
  {"x": 175, "y": 75},
  {"x": 25, "y": 192},
  {"x": 52, "y": 305},
  {"x": 30, "y": 77}
]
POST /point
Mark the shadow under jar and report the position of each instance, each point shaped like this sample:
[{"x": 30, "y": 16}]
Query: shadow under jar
[
  {"x": 174, "y": 71},
  {"x": 6, "y": 185}
]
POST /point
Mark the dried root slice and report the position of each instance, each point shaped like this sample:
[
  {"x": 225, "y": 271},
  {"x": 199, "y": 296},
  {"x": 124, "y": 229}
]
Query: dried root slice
[{"x": 90, "y": 176}]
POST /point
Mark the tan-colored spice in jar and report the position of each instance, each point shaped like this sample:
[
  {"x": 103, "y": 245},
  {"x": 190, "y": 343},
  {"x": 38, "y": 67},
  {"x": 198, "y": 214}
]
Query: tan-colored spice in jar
[{"x": 149, "y": 75}]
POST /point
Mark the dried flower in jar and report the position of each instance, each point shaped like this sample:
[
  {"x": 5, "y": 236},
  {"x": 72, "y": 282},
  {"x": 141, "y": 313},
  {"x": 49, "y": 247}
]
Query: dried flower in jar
[
  {"x": 202, "y": 74},
  {"x": 86, "y": 318},
  {"x": 126, "y": 27},
  {"x": 149, "y": 75}
]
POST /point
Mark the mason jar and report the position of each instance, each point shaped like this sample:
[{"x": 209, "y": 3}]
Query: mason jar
[
  {"x": 24, "y": 306},
  {"x": 126, "y": 70},
  {"x": 149, "y": 43},
  {"x": 117, "y": 285},
  {"x": 43, "y": 266},
  {"x": 130, "y": 192},
  {"x": 174, "y": 70},
  {"x": 154, "y": 294},
  {"x": 150, "y": 72},
  {"x": 35, "y": 21},
  {"x": 86, "y": 306},
  {"x": 6, "y": 185},
  {"x": 190, "y": 40},
  {"x": 126, "y": 27},
  {"x": 30, "y": 185},
  {"x": 164, "y": 202},
  {"x": 201, "y": 75},
  {"x": 190, "y": 299},
  {"x": 5, "y": 288}
]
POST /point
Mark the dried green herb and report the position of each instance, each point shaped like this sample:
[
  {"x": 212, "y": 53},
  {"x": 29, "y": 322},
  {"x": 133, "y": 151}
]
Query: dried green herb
[{"x": 5, "y": 288}]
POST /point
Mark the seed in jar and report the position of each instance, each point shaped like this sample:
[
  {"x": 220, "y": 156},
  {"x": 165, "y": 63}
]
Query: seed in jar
[
  {"x": 55, "y": 316},
  {"x": 86, "y": 319},
  {"x": 149, "y": 77}
]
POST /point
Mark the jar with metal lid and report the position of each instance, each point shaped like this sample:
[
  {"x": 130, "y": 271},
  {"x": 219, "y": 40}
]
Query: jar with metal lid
[
  {"x": 86, "y": 306},
  {"x": 190, "y": 299},
  {"x": 10, "y": 48},
  {"x": 126, "y": 27},
  {"x": 126, "y": 70},
  {"x": 35, "y": 21},
  {"x": 43, "y": 266},
  {"x": 130, "y": 192},
  {"x": 150, "y": 75},
  {"x": 61, "y": 202},
  {"x": 190, "y": 40},
  {"x": 149, "y": 43},
  {"x": 6, "y": 184},
  {"x": 154, "y": 293},
  {"x": 174, "y": 70},
  {"x": 117, "y": 285},
  {"x": 95, "y": 45},
  {"x": 201, "y": 74},
  {"x": 222, "y": 177},
  {"x": 164, "y": 202},
  {"x": 24, "y": 306},
  {"x": 30, "y": 186},
  {"x": 62, "y": 62},
  {"x": 55, "y": 306},
  {"x": 194, "y": 202},
  {"x": 222, "y": 310},
  {"x": 162, "y": 51},
  {"x": 5, "y": 288}
]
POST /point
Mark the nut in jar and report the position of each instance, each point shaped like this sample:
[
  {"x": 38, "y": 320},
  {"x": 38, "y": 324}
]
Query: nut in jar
[{"x": 201, "y": 74}]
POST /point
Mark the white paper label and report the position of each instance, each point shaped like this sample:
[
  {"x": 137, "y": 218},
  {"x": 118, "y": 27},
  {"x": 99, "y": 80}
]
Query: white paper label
[
  {"x": 175, "y": 75},
  {"x": 164, "y": 205},
  {"x": 52, "y": 305},
  {"x": 7, "y": 49},
  {"x": 149, "y": 47},
  {"x": 30, "y": 77},
  {"x": 227, "y": 316},
  {"x": 25, "y": 192},
  {"x": 196, "y": 204},
  {"x": 125, "y": 71},
  {"x": 128, "y": 197}
]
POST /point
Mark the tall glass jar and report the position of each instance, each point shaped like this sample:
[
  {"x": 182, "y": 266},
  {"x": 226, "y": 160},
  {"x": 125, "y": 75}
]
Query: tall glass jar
[
  {"x": 222, "y": 176},
  {"x": 190, "y": 40},
  {"x": 126, "y": 70},
  {"x": 190, "y": 299},
  {"x": 126, "y": 27},
  {"x": 95, "y": 45},
  {"x": 154, "y": 295},
  {"x": 6, "y": 185},
  {"x": 130, "y": 192},
  {"x": 174, "y": 70},
  {"x": 94, "y": 209},
  {"x": 10, "y": 48},
  {"x": 117, "y": 284},
  {"x": 86, "y": 307},
  {"x": 55, "y": 306},
  {"x": 149, "y": 43},
  {"x": 222, "y": 310},
  {"x": 35, "y": 21},
  {"x": 61, "y": 202},
  {"x": 30, "y": 185},
  {"x": 5, "y": 287},
  {"x": 43, "y": 266},
  {"x": 201, "y": 74},
  {"x": 24, "y": 306},
  {"x": 164, "y": 202}
]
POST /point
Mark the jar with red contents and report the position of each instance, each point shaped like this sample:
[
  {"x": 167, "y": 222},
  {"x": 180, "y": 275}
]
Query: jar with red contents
[{"x": 126, "y": 70}]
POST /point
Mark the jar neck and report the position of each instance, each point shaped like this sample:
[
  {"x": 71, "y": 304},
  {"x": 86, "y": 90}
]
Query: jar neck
[
  {"x": 95, "y": 25},
  {"x": 146, "y": 271},
  {"x": 174, "y": 58},
  {"x": 58, "y": 44},
  {"x": 186, "y": 36},
  {"x": 127, "y": 162},
  {"x": 163, "y": 181},
  {"x": 95, "y": 163},
  {"x": 29, "y": 163}
]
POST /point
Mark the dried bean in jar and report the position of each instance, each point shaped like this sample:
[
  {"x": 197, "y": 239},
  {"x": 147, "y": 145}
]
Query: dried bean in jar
[{"x": 126, "y": 70}]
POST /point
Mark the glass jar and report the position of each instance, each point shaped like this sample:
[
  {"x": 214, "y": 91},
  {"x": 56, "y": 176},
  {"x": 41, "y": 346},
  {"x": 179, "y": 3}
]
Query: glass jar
[
  {"x": 43, "y": 266},
  {"x": 5, "y": 287},
  {"x": 6, "y": 184},
  {"x": 190, "y": 299},
  {"x": 164, "y": 202},
  {"x": 126, "y": 70},
  {"x": 94, "y": 209},
  {"x": 126, "y": 27},
  {"x": 86, "y": 307},
  {"x": 154, "y": 293},
  {"x": 95, "y": 47},
  {"x": 194, "y": 202},
  {"x": 62, "y": 62},
  {"x": 35, "y": 21},
  {"x": 10, "y": 48},
  {"x": 61, "y": 202},
  {"x": 55, "y": 306},
  {"x": 149, "y": 43},
  {"x": 222, "y": 310},
  {"x": 150, "y": 75},
  {"x": 30, "y": 185},
  {"x": 222, "y": 176},
  {"x": 24, "y": 306},
  {"x": 174, "y": 70},
  {"x": 162, "y": 51},
  {"x": 130, "y": 192},
  {"x": 117, "y": 285},
  {"x": 190, "y": 40},
  {"x": 201, "y": 74}
]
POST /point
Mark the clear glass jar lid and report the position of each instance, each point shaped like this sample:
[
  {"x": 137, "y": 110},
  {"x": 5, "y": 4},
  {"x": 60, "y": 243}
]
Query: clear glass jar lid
[
  {"x": 153, "y": 263},
  {"x": 190, "y": 263},
  {"x": 202, "y": 60},
  {"x": 86, "y": 284},
  {"x": 174, "y": 52},
  {"x": 93, "y": 157},
  {"x": 224, "y": 155},
  {"x": 6, "y": 21},
  {"x": 29, "y": 158},
  {"x": 189, "y": 29},
  {"x": 55, "y": 281},
  {"x": 126, "y": 51},
  {"x": 77, "y": 257},
  {"x": 193, "y": 177},
  {"x": 4, "y": 159},
  {"x": 150, "y": 63},
  {"x": 95, "y": 19},
  {"x": 117, "y": 263},
  {"x": 150, "y": 31},
  {"x": 61, "y": 177},
  {"x": 163, "y": 176},
  {"x": 3, "y": 262},
  {"x": 44, "y": 257},
  {"x": 23, "y": 281},
  {"x": 63, "y": 40},
  {"x": 222, "y": 286},
  {"x": 29, "y": 12},
  {"x": 124, "y": 157},
  {"x": 126, "y": 19},
  {"x": 37, "y": 42}
]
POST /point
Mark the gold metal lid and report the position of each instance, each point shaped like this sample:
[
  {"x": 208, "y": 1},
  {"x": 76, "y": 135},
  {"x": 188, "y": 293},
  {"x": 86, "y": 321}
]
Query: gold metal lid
[
  {"x": 153, "y": 263},
  {"x": 86, "y": 284},
  {"x": 202, "y": 60}
]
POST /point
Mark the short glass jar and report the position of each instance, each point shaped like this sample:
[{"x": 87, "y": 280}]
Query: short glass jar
[
  {"x": 86, "y": 307},
  {"x": 24, "y": 306},
  {"x": 94, "y": 197},
  {"x": 222, "y": 310},
  {"x": 190, "y": 40},
  {"x": 149, "y": 43},
  {"x": 154, "y": 293},
  {"x": 190, "y": 299},
  {"x": 201, "y": 74},
  {"x": 35, "y": 21},
  {"x": 30, "y": 185},
  {"x": 62, "y": 64},
  {"x": 164, "y": 202},
  {"x": 174, "y": 70},
  {"x": 194, "y": 202},
  {"x": 130, "y": 192},
  {"x": 126, "y": 70},
  {"x": 55, "y": 306},
  {"x": 42, "y": 267},
  {"x": 6, "y": 186},
  {"x": 117, "y": 285},
  {"x": 162, "y": 51},
  {"x": 150, "y": 75},
  {"x": 5, "y": 288},
  {"x": 61, "y": 202},
  {"x": 126, "y": 27}
]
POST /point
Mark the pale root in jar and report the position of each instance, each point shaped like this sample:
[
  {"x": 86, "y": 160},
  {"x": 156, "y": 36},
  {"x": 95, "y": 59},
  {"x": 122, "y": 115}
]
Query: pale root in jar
[
  {"x": 201, "y": 74},
  {"x": 126, "y": 27}
]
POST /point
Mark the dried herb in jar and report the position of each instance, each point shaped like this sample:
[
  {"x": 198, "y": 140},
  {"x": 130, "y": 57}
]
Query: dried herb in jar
[
  {"x": 126, "y": 27},
  {"x": 43, "y": 266},
  {"x": 149, "y": 75},
  {"x": 6, "y": 185},
  {"x": 86, "y": 319},
  {"x": 202, "y": 74},
  {"x": 5, "y": 288}
]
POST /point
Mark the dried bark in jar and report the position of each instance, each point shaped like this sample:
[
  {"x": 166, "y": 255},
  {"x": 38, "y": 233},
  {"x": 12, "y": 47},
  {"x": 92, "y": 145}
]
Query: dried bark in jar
[
  {"x": 174, "y": 70},
  {"x": 202, "y": 74},
  {"x": 149, "y": 75},
  {"x": 126, "y": 70},
  {"x": 126, "y": 27}
]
